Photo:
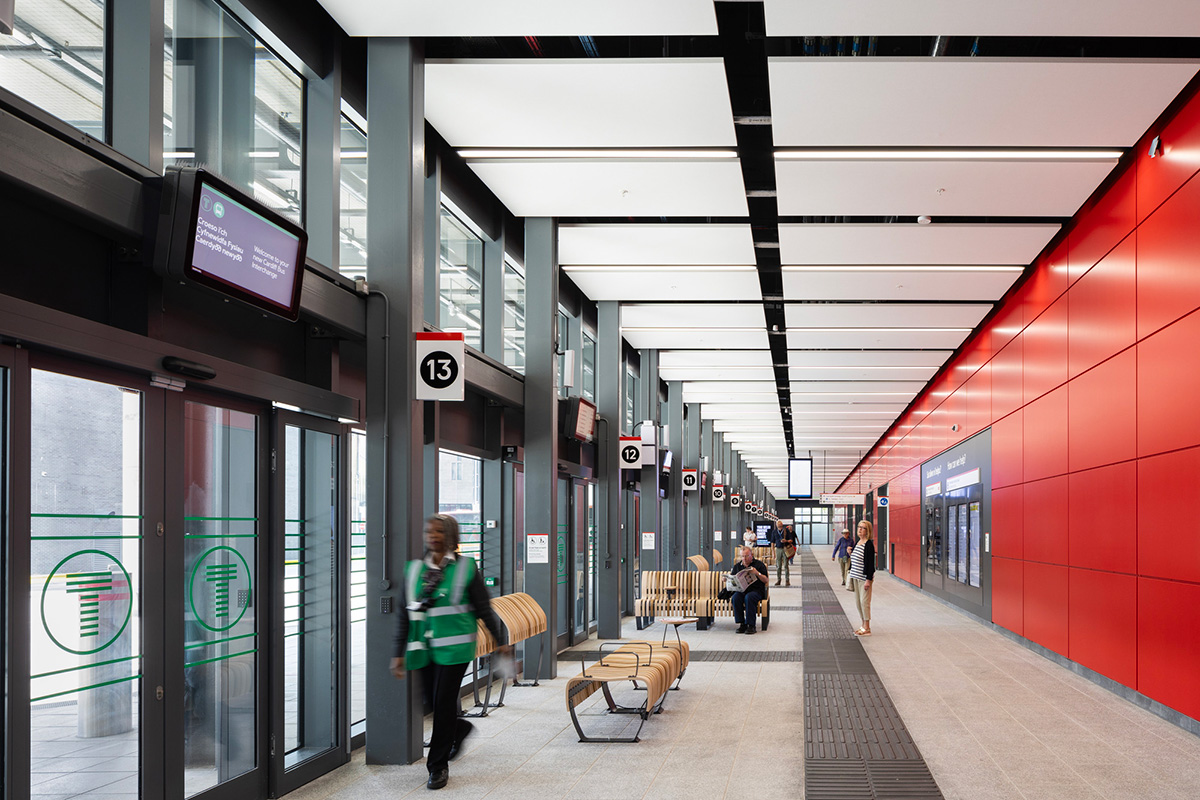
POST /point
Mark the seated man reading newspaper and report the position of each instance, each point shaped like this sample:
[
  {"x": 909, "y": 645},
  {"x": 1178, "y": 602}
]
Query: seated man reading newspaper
[{"x": 750, "y": 577}]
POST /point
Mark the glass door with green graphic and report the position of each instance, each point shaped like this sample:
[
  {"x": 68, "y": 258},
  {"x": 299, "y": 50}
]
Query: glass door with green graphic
[
  {"x": 223, "y": 680},
  {"x": 309, "y": 637},
  {"x": 86, "y": 721}
]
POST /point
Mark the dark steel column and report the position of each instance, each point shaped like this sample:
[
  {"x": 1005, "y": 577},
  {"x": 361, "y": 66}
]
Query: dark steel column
[
  {"x": 706, "y": 502},
  {"x": 694, "y": 428},
  {"x": 395, "y": 420},
  {"x": 651, "y": 504},
  {"x": 541, "y": 425},
  {"x": 610, "y": 551},
  {"x": 672, "y": 545}
]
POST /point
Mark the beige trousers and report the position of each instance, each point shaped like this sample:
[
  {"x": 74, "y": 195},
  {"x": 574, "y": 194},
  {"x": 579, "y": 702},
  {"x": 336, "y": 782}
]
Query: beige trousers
[{"x": 862, "y": 598}]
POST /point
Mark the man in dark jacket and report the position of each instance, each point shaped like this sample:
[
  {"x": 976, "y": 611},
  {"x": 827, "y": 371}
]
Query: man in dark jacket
[{"x": 745, "y": 602}]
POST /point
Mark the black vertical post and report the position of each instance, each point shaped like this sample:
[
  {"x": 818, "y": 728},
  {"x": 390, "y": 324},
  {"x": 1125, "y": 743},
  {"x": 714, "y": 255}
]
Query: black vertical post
[{"x": 610, "y": 546}]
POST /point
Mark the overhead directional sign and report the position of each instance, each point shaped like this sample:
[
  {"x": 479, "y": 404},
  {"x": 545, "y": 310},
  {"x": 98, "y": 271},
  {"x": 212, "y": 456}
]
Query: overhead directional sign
[
  {"x": 718, "y": 493},
  {"x": 735, "y": 500},
  {"x": 843, "y": 499},
  {"x": 631, "y": 452},
  {"x": 440, "y": 361},
  {"x": 690, "y": 480}
]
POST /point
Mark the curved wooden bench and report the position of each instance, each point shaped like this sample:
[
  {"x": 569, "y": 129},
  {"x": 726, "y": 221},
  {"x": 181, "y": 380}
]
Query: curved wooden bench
[
  {"x": 650, "y": 666},
  {"x": 718, "y": 557},
  {"x": 523, "y": 619},
  {"x": 699, "y": 562},
  {"x": 670, "y": 594}
]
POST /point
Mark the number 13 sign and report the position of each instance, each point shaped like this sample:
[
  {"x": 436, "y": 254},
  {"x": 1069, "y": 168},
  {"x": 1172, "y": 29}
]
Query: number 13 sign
[{"x": 439, "y": 359}]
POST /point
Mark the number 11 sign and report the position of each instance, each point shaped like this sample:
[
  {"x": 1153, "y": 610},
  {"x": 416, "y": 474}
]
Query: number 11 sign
[{"x": 440, "y": 361}]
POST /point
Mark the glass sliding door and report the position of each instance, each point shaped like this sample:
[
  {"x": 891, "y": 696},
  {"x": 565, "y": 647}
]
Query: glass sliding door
[
  {"x": 85, "y": 587},
  {"x": 220, "y": 612},
  {"x": 358, "y": 582},
  {"x": 308, "y": 635}
]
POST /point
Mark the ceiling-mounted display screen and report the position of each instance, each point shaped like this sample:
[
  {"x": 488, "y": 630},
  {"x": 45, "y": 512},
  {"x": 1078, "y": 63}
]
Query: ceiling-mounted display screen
[
  {"x": 213, "y": 234},
  {"x": 800, "y": 478}
]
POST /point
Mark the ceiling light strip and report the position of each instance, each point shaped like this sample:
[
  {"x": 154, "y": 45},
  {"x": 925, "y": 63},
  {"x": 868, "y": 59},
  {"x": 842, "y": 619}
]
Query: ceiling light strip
[
  {"x": 1073, "y": 154},
  {"x": 543, "y": 154},
  {"x": 901, "y": 268}
]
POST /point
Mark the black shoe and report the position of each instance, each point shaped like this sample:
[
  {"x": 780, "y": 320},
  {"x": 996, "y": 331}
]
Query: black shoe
[
  {"x": 751, "y": 631},
  {"x": 456, "y": 748},
  {"x": 740, "y": 629},
  {"x": 438, "y": 779}
]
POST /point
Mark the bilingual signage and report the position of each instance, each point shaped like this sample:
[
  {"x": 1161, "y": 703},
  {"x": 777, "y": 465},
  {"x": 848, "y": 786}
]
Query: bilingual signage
[
  {"x": 690, "y": 480},
  {"x": 830, "y": 499},
  {"x": 718, "y": 493},
  {"x": 631, "y": 452},
  {"x": 439, "y": 360},
  {"x": 965, "y": 479}
]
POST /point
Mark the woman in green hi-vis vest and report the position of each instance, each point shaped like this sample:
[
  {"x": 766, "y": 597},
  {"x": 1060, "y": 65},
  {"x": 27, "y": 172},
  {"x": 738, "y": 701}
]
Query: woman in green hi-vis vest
[{"x": 435, "y": 635}]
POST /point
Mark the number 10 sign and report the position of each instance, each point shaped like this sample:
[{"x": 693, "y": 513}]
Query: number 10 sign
[{"x": 439, "y": 359}]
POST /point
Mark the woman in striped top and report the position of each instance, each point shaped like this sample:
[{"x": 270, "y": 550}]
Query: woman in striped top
[{"x": 862, "y": 572}]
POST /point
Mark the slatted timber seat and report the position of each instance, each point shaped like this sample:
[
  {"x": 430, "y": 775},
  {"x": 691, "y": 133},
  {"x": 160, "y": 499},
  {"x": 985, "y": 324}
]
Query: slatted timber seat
[
  {"x": 648, "y": 665},
  {"x": 718, "y": 557},
  {"x": 523, "y": 619},
  {"x": 699, "y": 562},
  {"x": 670, "y": 594},
  {"x": 765, "y": 555}
]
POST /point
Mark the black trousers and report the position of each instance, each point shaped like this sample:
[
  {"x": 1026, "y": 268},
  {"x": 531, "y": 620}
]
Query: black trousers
[{"x": 440, "y": 684}]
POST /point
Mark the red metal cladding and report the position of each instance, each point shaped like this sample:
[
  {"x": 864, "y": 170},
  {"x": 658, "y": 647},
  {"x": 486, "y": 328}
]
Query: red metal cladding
[
  {"x": 1008, "y": 594},
  {"x": 1169, "y": 644},
  {"x": 1045, "y": 351},
  {"x": 1168, "y": 283},
  {"x": 1047, "y": 283},
  {"x": 1176, "y": 161},
  {"x": 979, "y": 400},
  {"x": 1103, "y": 623},
  {"x": 1044, "y": 530},
  {"x": 1045, "y": 436},
  {"x": 1008, "y": 522},
  {"x": 1168, "y": 388},
  {"x": 1008, "y": 450},
  {"x": 1102, "y": 530},
  {"x": 1103, "y": 224},
  {"x": 1102, "y": 309},
  {"x": 1102, "y": 413},
  {"x": 1167, "y": 547},
  {"x": 1007, "y": 371},
  {"x": 1045, "y": 606}
]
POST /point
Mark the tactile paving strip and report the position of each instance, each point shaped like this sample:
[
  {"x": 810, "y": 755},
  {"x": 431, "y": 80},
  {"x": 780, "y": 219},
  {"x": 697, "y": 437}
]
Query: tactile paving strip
[
  {"x": 756, "y": 656},
  {"x": 856, "y": 745}
]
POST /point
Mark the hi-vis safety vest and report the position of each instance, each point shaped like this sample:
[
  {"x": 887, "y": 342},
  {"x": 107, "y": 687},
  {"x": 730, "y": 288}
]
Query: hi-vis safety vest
[{"x": 446, "y": 631}]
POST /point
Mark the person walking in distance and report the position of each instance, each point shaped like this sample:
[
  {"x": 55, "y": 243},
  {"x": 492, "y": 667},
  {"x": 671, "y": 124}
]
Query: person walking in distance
[
  {"x": 435, "y": 636},
  {"x": 841, "y": 553},
  {"x": 862, "y": 574}
]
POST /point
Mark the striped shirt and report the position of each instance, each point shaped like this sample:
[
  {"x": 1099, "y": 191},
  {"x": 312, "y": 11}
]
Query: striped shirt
[{"x": 856, "y": 564}]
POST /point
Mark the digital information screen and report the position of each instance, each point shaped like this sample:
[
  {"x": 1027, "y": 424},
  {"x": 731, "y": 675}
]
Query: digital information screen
[
  {"x": 243, "y": 249},
  {"x": 585, "y": 423},
  {"x": 800, "y": 477}
]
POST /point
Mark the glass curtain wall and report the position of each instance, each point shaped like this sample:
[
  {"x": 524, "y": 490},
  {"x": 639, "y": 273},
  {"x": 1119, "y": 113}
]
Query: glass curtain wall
[
  {"x": 514, "y": 316},
  {"x": 588, "y": 350},
  {"x": 460, "y": 494},
  {"x": 352, "y": 209},
  {"x": 85, "y": 626},
  {"x": 564, "y": 344},
  {"x": 232, "y": 104},
  {"x": 460, "y": 280},
  {"x": 358, "y": 582},
  {"x": 55, "y": 59}
]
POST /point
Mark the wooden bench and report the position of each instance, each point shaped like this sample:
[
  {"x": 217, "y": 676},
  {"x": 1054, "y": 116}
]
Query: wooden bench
[
  {"x": 699, "y": 562},
  {"x": 650, "y": 666},
  {"x": 718, "y": 557},
  {"x": 522, "y": 618},
  {"x": 694, "y": 595}
]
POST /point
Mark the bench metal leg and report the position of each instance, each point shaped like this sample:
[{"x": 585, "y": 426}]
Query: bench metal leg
[
  {"x": 525, "y": 665},
  {"x": 487, "y": 695}
]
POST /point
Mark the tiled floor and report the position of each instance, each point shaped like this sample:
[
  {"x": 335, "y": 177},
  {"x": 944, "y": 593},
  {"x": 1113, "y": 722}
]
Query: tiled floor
[{"x": 992, "y": 719}]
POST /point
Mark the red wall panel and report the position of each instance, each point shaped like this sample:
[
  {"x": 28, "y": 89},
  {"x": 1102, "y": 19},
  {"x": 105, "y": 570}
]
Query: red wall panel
[
  {"x": 979, "y": 400},
  {"x": 1103, "y": 532},
  {"x": 1048, "y": 282},
  {"x": 1169, "y": 643},
  {"x": 1102, "y": 413},
  {"x": 1008, "y": 522},
  {"x": 1045, "y": 436},
  {"x": 1168, "y": 283},
  {"x": 1008, "y": 450},
  {"x": 1103, "y": 224},
  {"x": 954, "y": 412},
  {"x": 1008, "y": 594},
  {"x": 1103, "y": 623},
  {"x": 1168, "y": 388},
  {"x": 1158, "y": 177},
  {"x": 1007, "y": 393},
  {"x": 1008, "y": 322},
  {"x": 1044, "y": 529},
  {"x": 1168, "y": 546},
  {"x": 1045, "y": 351},
  {"x": 1045, "y": 607},
  {"x": 1102, "y": 310}
]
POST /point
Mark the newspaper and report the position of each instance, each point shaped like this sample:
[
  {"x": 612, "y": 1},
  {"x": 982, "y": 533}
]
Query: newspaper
[{"x": 743, "y": 579}]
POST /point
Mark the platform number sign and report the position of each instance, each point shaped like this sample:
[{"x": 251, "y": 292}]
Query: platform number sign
[
  {"x": 690, "y": 480},
  {"x": 631, "y": 452},
  {"x": 718, "y": 493},
  {"x": 439, "y": 359},
  {"x": 735, "y": 500}
]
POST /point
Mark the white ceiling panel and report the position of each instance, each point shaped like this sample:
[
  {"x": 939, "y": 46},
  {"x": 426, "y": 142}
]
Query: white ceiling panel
[
  {"x": 730, "y": 388},
  {"x": 966, "y": 188},
  {"x": 719, "y": 396},
  {"x": 592, "y": 102},
  {"x": 753, "y": 411},
  {"x": 524, "y": 17},
  {"x": 905, "y": 387},
  {"x": 889, "y": 102},
  {"x": 915, "y": 283},
  {"x": 604, "y": 187},
  {"x": 864, "y": 373},
  {"x": 725, "y": 375},
  {"x": 848, "y": 411},
  {"x": 913, "y": 315},
  {"x": 672, "y": 315},
  {"x": 650, "y": 284},
  {"x": 901, "y": 338},
  {"x": 714, "y": 358},
  {"x": 983, "y": 18},
  {"x": 903, "y": 244},
  {"x": 657, "y": 244},
  {"x": 701, "y": 338},
  {"x": 866, "y": 358}
]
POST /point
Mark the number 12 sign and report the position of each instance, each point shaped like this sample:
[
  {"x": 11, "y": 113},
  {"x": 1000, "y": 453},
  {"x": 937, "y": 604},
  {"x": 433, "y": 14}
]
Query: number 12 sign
[{"x": 439, "y": 360}]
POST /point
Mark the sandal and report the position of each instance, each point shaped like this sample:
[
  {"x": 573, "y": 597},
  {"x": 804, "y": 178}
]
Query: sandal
[{"x": 861, "y": 632}]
